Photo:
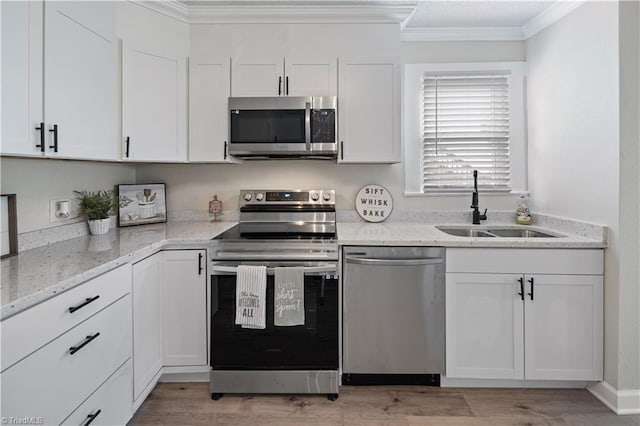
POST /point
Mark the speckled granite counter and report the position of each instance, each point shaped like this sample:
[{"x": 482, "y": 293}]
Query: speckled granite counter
[{"x": 38, "y": 274}]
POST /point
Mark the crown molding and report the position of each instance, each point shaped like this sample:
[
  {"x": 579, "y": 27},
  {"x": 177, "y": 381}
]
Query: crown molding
[
  {"x": 171, "y": 8},
  {"x": 284, "y": 12},
  {"x": 462, "y": 34},
  {"x": 553, "y": 13}
]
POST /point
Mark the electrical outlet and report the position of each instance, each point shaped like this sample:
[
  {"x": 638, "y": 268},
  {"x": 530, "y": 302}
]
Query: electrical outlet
[{"x": 62, "y": 210}]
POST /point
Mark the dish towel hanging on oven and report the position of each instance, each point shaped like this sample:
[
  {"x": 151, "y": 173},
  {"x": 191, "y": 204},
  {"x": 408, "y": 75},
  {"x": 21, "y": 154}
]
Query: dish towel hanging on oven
[
  {"x": 251, "y": 296},
  {"x": 288, "y": 297}
]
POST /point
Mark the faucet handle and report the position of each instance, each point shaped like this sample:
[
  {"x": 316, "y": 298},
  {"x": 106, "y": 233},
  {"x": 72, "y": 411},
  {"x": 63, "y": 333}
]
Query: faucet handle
[{"x": 484, "y": 215}]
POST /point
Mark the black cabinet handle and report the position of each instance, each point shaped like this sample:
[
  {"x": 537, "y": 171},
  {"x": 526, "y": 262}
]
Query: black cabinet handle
[
  {"x": 286, "y": 85},
  {"x": 521, "y": 293},
  {"x": 55, "y": 138},
  {"x": 199, "y": 263},
  {"x": 126, "y": 153},
  {"x": 91, "y": 418},
  {"x": 89, "y": 339},
  {"x": 279, "y": 85},
  {"x": 41, "y": 145},
  {"x": 83, "y": 304},
  {"x": 225, "y": 150},
  {"x": 530, "y": 280},
  {"x": 342, "y": 150}
]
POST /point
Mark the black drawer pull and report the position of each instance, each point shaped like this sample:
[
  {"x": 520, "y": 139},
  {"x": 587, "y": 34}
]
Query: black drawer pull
[
  {"x": 200, "y": 264},
  {"x": 530, "y": 280},
  {"x": 74, "y": 349},
  {"x": 126, "y": 153},
  {"x": 83, "y": 304},
  {"x": 91, "y": 418}
]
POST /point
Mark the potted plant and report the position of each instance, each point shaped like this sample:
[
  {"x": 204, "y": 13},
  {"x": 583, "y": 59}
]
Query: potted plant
[{"x": 97, "y": 207}]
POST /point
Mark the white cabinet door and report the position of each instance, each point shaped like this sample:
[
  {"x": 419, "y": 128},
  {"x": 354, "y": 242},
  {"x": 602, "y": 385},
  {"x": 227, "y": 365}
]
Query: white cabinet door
[
  {"x": 563, "y": 327},
  {"x": 369, "y": 110},
  {"x": 80, "y": 69},
  {"x": 484, "y": 326},
  {"x": 184, "y": 307},
  {"x": 154, "y": 108},
  {"x": 257, "y": 76},
  {"x": 21, "y": 77},
  {"x": 209, "y": 91},
  {"x": 310, "y": 76},
  {"x": 147, "y": 320}
]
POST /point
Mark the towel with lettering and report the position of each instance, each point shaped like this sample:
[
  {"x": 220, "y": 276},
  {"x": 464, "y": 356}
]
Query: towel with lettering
[
  {"x": 251, "y": 296},
  {"x": 288, "y": 298}
]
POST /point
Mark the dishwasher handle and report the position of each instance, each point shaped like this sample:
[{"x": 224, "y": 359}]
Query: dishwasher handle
[{"x": 394, "y": 262}]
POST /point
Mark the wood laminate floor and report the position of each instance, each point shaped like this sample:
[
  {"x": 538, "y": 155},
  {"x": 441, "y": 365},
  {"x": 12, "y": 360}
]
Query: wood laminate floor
[{"x": 191, "y": 404}]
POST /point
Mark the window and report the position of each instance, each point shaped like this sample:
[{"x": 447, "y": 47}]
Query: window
[
  {"x": 465, "y": 128},
  {"x": 460, "y": 118}
]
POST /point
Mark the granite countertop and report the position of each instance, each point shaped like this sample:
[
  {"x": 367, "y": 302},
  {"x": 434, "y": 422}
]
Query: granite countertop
[{"x": 38, "y": 274}]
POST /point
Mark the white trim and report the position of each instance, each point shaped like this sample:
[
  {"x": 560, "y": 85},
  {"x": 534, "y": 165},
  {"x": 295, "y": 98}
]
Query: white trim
[
  {"x": 462, "y": 34},
  {"x": 446, "y": 382},
  {"x": 619, "y": 401},
  {"x": 553, "y": 13},
  {"x": 386, "y": 11}
]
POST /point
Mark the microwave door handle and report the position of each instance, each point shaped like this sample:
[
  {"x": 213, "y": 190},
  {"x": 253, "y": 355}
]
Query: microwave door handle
[{"x": 307, "y": 125}]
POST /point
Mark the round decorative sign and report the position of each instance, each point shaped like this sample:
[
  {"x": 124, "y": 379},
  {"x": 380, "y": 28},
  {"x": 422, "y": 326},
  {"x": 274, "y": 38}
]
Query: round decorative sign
[{"x": 374, "y": 203}]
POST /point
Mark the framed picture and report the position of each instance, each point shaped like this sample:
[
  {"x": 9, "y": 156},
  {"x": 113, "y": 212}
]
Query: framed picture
[
  {"x": 142, "y": 204},
  {"x": 9, "y": 219}
]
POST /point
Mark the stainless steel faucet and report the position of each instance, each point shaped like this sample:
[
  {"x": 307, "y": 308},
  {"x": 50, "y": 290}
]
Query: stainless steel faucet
[{"x": 477, "y": 217}]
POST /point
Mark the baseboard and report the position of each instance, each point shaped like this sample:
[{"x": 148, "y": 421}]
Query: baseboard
[
  {"x": 619, "y": 401},
  {"x": 447, "y": 382}
]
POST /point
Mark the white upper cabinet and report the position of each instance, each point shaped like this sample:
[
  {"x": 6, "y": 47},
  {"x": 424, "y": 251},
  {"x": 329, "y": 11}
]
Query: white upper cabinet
[
  {"x": 310, "y": 76},
  {"x": 22, "y": 77},
  {"x": 257, "y": 76},
  {"x": 278, "y": 76},
  {"x": 209, "y": 91},
  {"x": 369, "y": 110},
  {"x": 80, "y": 69},
  {"x": 154, "y": 103},
  {"x": 59, "y": 68}
]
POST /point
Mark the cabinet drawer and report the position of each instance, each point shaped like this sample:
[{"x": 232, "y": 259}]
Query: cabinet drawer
[
  {"x": 52, "y": 382},
  {"x": 110, "y": 404},
  {"x": 22, "y": 334},
  {"x": 526, "y": 261}
]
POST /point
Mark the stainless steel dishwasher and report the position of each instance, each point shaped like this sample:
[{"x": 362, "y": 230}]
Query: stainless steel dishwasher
[{"x": 393, "y": 315}]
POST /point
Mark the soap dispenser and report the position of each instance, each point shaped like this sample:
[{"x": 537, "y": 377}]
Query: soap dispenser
[{"x": 523, "y": 214}]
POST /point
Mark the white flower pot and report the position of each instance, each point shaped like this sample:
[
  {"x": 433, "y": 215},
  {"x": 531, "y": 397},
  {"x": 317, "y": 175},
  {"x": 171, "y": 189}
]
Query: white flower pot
[{"x": 99, "y": 226}]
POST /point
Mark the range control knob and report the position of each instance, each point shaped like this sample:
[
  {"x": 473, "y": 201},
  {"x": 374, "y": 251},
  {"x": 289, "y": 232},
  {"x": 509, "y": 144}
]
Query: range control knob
[
  {"x": 259, "y": 196},
  {"x": 314, "y": 196},
  {"x": 247, "y": 196},
  {"x": 326, "y": 196}
]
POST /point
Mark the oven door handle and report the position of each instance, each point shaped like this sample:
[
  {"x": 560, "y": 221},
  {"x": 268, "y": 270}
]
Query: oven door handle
[
  {"x": 328, "y": 269},
  {"x": 278, "y": 256}
]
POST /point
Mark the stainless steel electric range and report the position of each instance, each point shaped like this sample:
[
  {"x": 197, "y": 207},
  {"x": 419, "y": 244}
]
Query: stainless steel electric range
[{"x": 277, "y": 228}]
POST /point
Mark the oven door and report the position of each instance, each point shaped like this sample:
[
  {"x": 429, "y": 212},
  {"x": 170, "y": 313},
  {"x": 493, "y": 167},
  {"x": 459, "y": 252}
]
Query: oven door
[{"x": 312, "y": 346}]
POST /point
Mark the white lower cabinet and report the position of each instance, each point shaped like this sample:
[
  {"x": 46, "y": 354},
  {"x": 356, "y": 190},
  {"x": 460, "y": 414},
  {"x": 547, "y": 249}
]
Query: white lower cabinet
[
  {"x": 147, "y": 333},
  {"x": 110, "y": 404},
  {"x": 184, "y": 308},
  {"x": 545, "y": 325},
  {"x": 53, "y": 381}
]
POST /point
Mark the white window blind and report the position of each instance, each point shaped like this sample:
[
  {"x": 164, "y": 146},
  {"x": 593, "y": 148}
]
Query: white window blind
[{"x": 465, "y": 128}]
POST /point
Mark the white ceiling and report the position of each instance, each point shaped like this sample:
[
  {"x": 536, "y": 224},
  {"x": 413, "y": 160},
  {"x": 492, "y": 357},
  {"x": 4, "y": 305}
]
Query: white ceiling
[{"x": 475, "y": 13}]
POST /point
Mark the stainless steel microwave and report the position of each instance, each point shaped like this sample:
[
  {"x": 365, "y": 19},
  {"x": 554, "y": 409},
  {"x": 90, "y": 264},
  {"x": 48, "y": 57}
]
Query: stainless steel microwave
[{"x": 296, "y": 127}]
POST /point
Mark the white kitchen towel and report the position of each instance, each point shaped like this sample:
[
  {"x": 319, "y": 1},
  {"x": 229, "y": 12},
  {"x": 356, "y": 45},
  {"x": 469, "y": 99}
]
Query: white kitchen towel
[
  {"x": 288, "y": 298},
  {"x": 251, "y": 296}
]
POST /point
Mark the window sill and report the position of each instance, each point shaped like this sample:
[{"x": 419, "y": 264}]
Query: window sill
[{"x": 464, "y": 192}]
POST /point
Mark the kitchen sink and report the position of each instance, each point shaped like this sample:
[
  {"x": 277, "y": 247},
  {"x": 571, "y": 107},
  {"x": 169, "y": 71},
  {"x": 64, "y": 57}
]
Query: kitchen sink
[
  {"x": 495, "y": 231},
  {"x": 465, "y": 232}
]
